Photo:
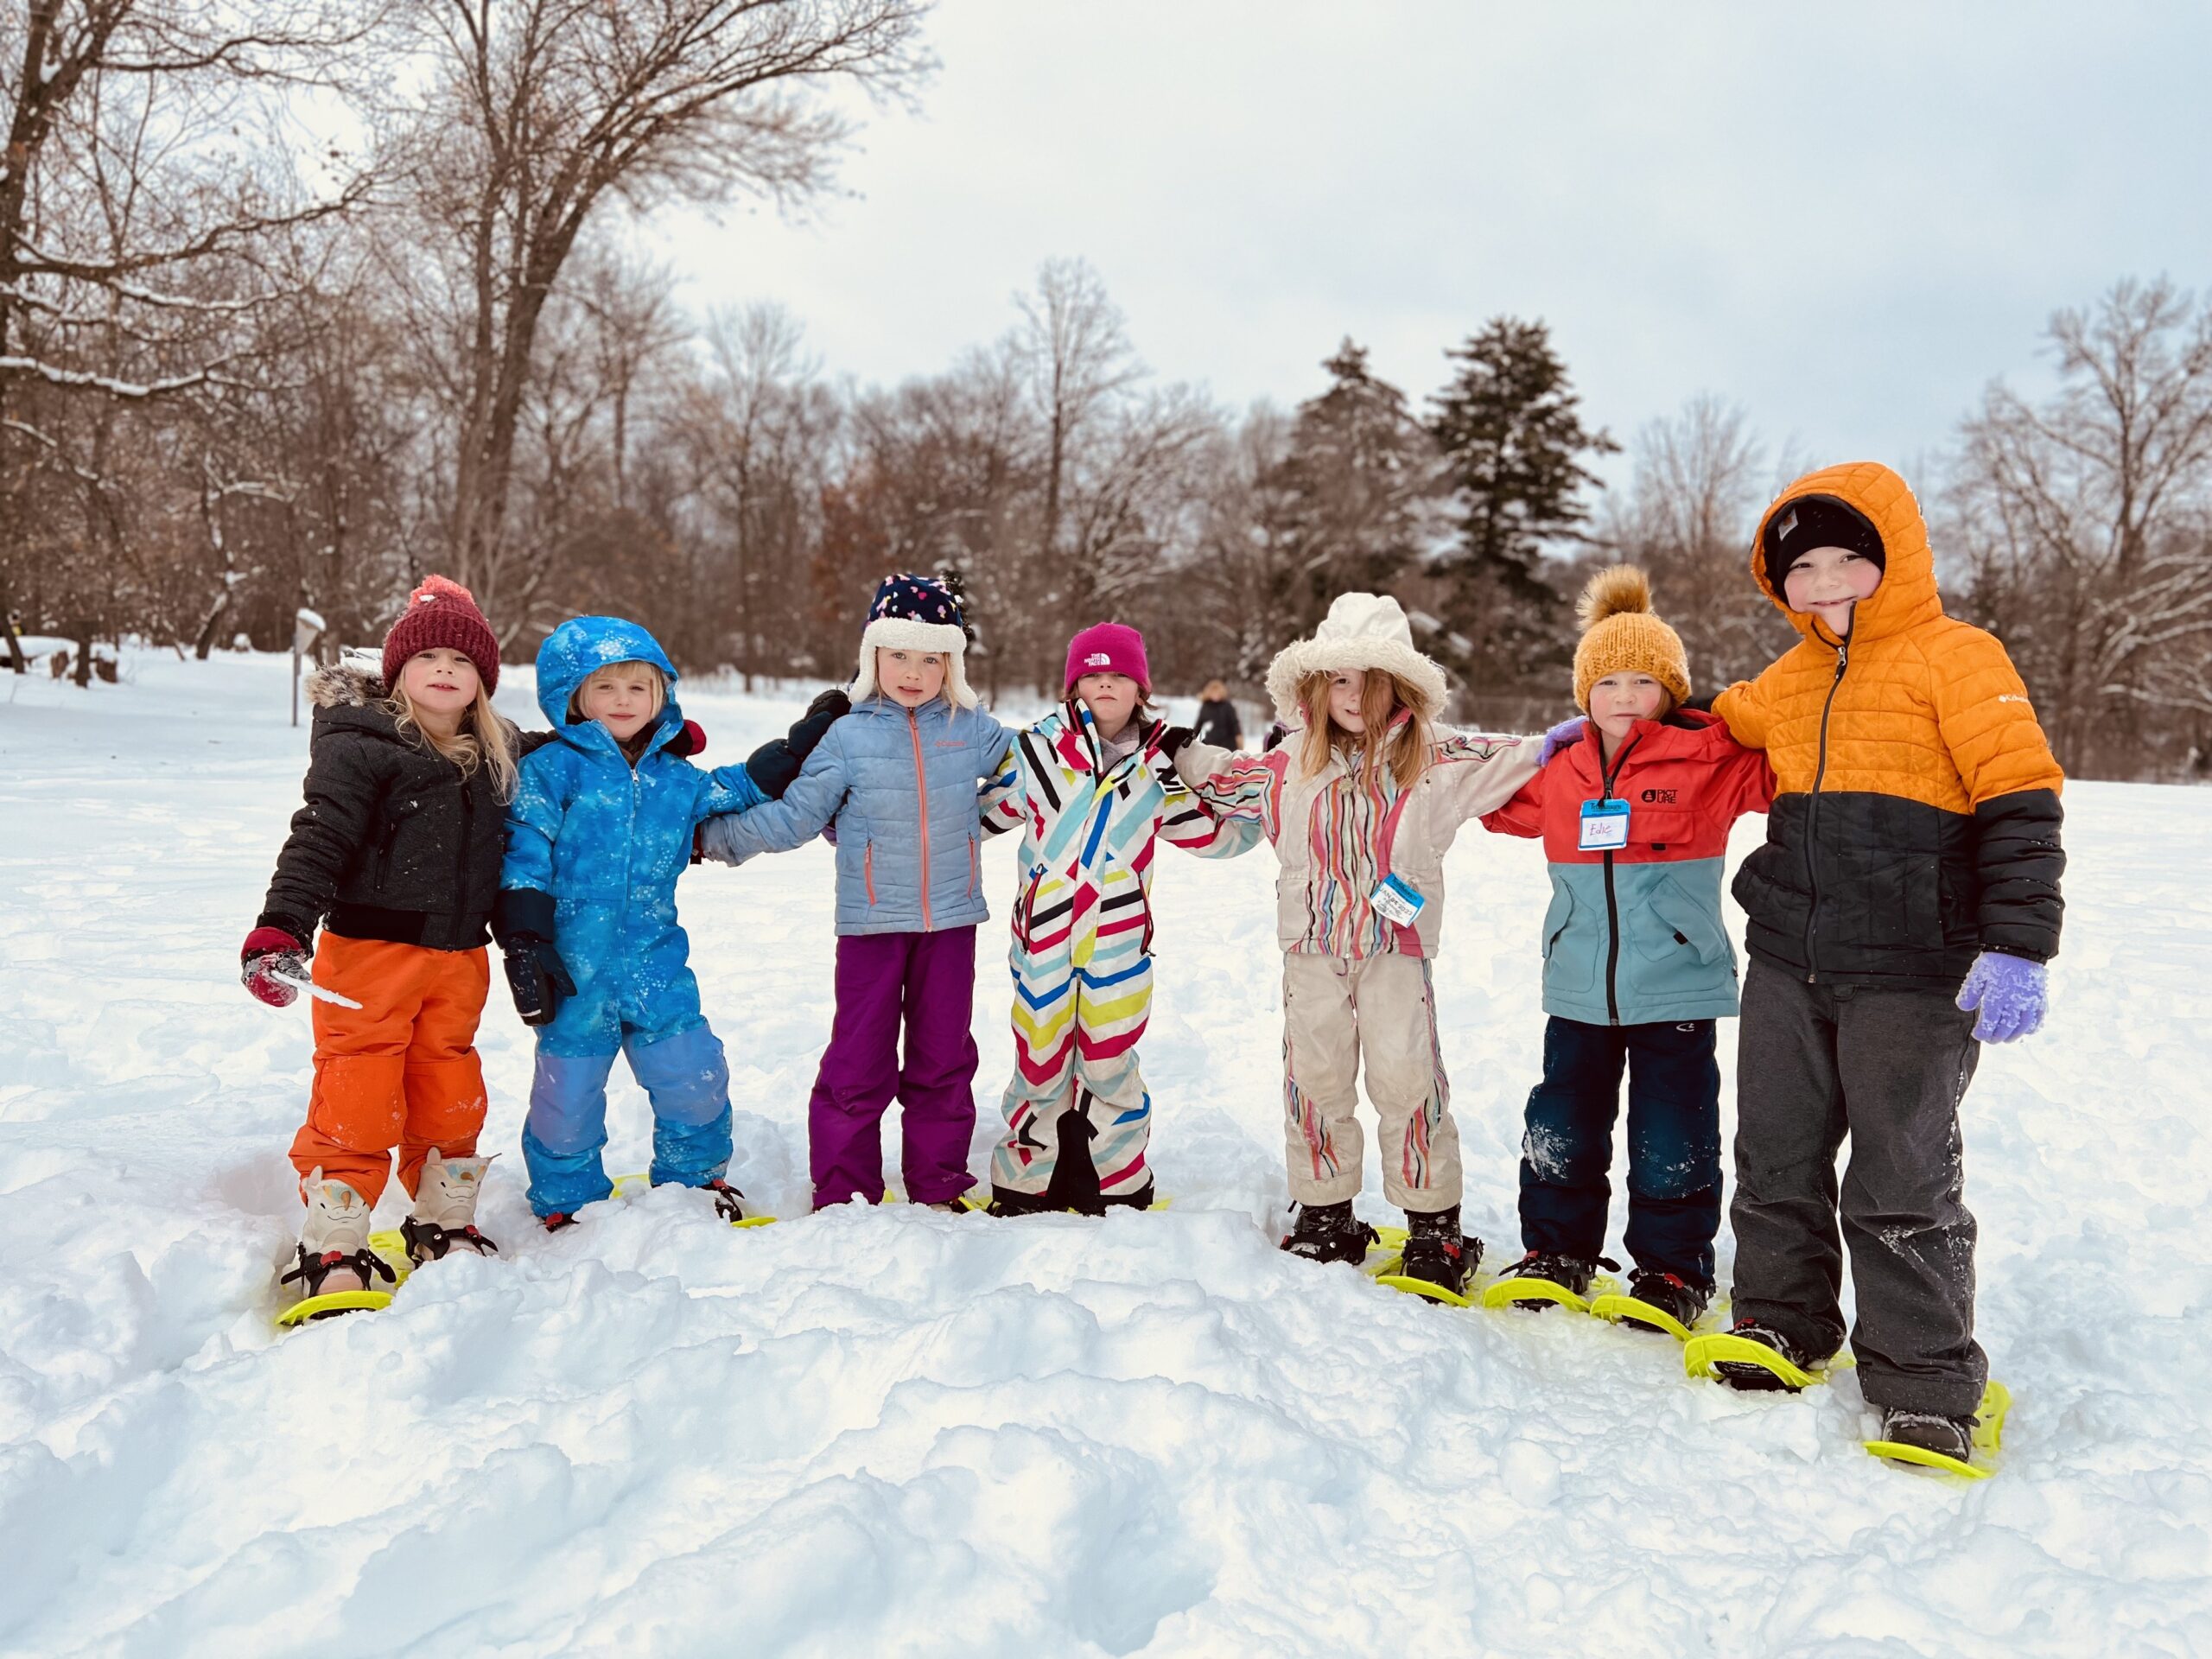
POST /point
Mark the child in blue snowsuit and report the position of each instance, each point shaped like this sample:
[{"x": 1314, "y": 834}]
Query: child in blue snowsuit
[{"x": 599, "y": 828}]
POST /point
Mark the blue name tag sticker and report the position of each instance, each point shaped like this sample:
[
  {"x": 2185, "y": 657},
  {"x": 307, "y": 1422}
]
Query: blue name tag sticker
[
  {"x": 1605, "y": 826},
  {"x": 1396, "y": 900}
]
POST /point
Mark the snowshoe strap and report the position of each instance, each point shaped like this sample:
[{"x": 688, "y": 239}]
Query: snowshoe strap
[
  {"x": 428, "y": 1242},
  {"x": 314, "y": 1269}
]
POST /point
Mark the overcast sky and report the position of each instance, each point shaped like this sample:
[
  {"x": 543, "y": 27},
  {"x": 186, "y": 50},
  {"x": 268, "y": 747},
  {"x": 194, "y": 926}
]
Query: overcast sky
[{"x": 1848, "y": 219}]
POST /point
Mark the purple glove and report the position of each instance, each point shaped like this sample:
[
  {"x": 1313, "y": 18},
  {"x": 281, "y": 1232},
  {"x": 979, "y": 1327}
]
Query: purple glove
[
  {"x": 2010, "y": 991},
  {"x": 1567, "y": 732}
]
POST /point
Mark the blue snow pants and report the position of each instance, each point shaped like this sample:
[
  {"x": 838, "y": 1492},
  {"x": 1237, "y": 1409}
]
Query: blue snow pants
[
  {"x": 685, "y": 1076},
  {"x": 1674, "y": 1144}
]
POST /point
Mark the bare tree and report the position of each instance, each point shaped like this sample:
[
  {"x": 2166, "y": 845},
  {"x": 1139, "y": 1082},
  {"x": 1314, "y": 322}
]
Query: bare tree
[
  {"x": 1075, "y": 353},
  {"x": 2084, "y": 523},
  {"x": 116, "y": 189},
  {"x": 1687, "y": 518},
  {"x": 542, "y": 112}
]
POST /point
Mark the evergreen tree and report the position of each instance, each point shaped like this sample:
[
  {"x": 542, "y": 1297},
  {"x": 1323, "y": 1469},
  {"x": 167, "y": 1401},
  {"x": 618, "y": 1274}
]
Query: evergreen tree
[
  {"x": 1345, "y": 506},
  {"x": 1512, "y": 444}
]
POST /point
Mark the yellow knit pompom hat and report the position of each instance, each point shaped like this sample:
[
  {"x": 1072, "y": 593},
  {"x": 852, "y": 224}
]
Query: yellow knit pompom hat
[{"x": 1621, "y": 636}]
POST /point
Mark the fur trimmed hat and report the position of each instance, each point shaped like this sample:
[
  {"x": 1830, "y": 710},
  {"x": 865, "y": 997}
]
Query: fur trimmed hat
[
  {"x": 441, "y": 614},
  {"x": 912, "y": 612},
  {"x": 1360, "y": 630},
  {"x": 1620, "y": 635}
]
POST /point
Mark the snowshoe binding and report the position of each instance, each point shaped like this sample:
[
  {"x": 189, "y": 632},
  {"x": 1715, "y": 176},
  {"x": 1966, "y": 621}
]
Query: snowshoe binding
[
  {"x": 1543, "y": 1278},
  {"x": 1662, "y": 1302},
  {"x": 444, "y": 1215},
  {"x": 1753, "y": 1358},
  {"x": 1956, "y": 1445},
  {"x": 335, "y": 1269},
  {"x": 1329, "y": 1232},
  {"x": 1438, "y": 1260}
]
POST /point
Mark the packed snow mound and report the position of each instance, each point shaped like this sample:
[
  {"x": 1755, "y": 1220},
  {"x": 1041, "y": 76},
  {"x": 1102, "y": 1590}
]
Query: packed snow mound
[{"x": 901, "y": 1430}]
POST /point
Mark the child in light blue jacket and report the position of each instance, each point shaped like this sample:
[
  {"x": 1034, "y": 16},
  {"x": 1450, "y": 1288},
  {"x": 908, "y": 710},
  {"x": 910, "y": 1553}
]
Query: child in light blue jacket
[
  {"x": 907, "y": 779},
  {"x": 599, "y": 828}
]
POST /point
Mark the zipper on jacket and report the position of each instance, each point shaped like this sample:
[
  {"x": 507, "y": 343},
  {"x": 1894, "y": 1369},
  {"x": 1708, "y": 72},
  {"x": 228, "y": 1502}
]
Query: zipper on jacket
[
  {"x": 468, "y": 840},
  {"x": 1606, "y": 779},
  {"x": 922, "y": 795},
  {"x": 1812, "y": 814}
]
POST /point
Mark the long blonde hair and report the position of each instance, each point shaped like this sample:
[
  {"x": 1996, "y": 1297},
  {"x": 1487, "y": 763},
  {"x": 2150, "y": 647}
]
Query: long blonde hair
[
  {"x": 468, "y": 748},
  {"x": 1405, "y": 743}
]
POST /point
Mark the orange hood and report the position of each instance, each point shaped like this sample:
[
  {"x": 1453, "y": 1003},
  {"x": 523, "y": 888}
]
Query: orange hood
[{"x": 1907, "y": 595}]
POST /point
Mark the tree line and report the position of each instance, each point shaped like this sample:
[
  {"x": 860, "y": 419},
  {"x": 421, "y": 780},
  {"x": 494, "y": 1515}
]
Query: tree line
[{"x": 243, "y": 370}]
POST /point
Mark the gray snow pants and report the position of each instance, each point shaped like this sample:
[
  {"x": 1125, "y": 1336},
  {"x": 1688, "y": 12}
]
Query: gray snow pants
[{"x": 1887, "y": 1068}]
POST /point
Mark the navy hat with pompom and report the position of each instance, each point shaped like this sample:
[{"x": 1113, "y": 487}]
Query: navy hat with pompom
[{"x": 914, "y": 612}]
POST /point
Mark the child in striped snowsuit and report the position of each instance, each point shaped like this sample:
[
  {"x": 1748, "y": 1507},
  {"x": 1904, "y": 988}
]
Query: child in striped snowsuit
[
  {"x": 1361, "y": 804},
  {"x": 1096, "y": 793}
]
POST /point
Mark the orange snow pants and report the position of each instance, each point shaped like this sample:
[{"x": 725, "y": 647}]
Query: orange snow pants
[{"x": 401, "y": 1069}]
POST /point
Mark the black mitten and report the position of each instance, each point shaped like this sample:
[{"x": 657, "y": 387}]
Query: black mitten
[
  {"x": 1172, "y": 739},
  {"x": 522, "y": 921},
  {"x": 539, "y": 979},
  {"x": 775, "y": 765}
]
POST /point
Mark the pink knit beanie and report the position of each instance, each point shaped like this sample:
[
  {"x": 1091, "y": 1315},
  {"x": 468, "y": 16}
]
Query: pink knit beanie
[{"x": 1108, "y": 648}]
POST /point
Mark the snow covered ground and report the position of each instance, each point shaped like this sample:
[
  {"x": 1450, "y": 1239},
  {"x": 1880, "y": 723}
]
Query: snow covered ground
[{"x": 902, "y": 1431}]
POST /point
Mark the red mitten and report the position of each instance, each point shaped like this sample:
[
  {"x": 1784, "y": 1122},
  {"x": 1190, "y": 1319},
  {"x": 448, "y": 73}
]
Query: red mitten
[
  {"x": 271, "y": 952},
  {"x": 691, "y": 740}
]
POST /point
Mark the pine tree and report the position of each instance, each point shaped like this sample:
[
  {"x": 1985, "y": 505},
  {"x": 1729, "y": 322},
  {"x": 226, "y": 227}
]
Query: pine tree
[
  {"x": 1512, "y": 444},
  {"x": 1345, "y": 505}
]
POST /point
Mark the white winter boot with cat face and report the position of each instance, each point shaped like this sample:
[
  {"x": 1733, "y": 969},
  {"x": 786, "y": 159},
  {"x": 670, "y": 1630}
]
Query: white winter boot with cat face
[
  {"x": 444, "y": 1216},
  {"x": 334, "y": 1253}
]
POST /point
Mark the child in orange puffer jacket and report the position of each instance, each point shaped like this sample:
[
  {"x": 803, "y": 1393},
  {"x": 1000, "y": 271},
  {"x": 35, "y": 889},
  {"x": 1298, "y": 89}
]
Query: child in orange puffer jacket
[{"x": 1901, "y": 912}]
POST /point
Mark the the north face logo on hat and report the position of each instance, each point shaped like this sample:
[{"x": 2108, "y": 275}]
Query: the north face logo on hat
[{"x": 1098, "y": 659}]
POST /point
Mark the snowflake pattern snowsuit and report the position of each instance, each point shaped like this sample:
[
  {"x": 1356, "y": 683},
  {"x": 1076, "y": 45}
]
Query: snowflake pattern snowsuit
[
  {"x": 1082, "y": 956},
  {"x": 1357, "y": 990},
  {"x": 608, "y": 840}
]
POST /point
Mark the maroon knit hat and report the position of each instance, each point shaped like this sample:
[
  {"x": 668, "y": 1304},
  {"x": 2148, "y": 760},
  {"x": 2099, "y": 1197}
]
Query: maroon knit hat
[
  {"x": 442, "y": 613},
  {"x": 1108, "y": 648}
]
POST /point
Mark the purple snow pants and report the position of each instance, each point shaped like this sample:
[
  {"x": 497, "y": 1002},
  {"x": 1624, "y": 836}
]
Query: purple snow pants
[{"x": 928, "y": 980}]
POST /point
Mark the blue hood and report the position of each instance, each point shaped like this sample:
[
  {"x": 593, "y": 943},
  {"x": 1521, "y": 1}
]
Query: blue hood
[{"x": 583, "y": 646}]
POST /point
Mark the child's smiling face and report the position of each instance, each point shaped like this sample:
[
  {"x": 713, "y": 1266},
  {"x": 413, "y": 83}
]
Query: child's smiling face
[
  {"x": 622, "y": 697},
  {"x": 1828, "y": 583},
  {"x": 1347, "y": 697},
  {"x": 909, "y": 678},
  {"x": 441, "y": 683}
]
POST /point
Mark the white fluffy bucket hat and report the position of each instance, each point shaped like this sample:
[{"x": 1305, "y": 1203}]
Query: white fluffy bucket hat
[
  {"x": 912, "y": 612},
  {"x": 1360, "y": 630}
]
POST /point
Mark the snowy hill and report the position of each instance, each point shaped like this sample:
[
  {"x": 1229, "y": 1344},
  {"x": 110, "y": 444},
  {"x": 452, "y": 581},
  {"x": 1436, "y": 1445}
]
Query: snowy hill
[{"x": 902, "y": 1431}]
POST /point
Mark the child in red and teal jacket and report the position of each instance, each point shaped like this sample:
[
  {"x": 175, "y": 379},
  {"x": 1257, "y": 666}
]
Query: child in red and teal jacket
[{"x": 1634, "y": 805}]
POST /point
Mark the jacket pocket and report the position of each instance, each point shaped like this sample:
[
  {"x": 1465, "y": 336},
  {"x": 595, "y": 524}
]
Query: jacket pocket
[
  {"x": 397, "y": 812},
  {"x": 867, "y": 867},
  {"x": 1678, "y": 923},
  {"x": 1570, "y": 965},
  {"x": 975, "y": 861}
]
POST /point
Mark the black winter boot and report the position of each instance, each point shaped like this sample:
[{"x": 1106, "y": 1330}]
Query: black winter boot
[
  {"x": 1951, "y": 1436},
  {"x": 1571, "y": 1272},
  {"x": 1437, "y": 1252},
  {"x": 1329, "y": 1232},
  {"x": 1749, "y": 1378},
  {"x": 1670, "y": 1294}
]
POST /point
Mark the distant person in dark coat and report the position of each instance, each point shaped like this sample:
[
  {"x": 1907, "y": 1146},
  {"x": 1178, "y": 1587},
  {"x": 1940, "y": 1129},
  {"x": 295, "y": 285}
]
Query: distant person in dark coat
[{"x": 1217, "y": 723}]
